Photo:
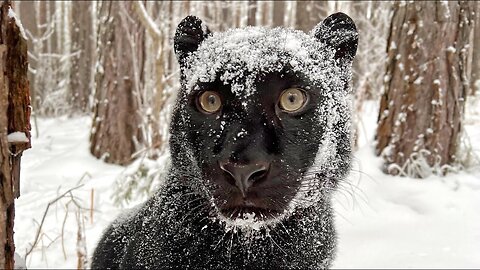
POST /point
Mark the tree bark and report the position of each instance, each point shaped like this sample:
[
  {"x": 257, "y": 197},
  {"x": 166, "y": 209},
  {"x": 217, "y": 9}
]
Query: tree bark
[
  {"x": 475, "y": 75},
  {"x": 309, "y": 14},
  {"x": 425, "y": 86},
  {"x": 290, "y": 14},
  {"x": 82, "y": 64},
  {"x": 278, "y": 13},
  {"x": 252, "y": 11},
  {"x": 14, "y": 117},
  {"x": 115, "y": 128}
]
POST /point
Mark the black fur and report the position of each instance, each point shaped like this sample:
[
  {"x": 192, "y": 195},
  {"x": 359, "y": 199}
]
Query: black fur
[{"x": 183, "y": 224}]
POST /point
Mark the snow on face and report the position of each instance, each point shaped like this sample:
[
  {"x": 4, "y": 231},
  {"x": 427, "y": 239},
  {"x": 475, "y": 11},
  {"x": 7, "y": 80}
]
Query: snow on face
[{"x": 238, "y": 56}]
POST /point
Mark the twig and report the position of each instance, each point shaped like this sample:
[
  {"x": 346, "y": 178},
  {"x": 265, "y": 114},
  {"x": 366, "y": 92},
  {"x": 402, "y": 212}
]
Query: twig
[
  {"x": 63, "y": 229},
  {"x": 91, "y": 205},
  {"x": 37, "y": 236},
  {"x": 81, "y": 242}
]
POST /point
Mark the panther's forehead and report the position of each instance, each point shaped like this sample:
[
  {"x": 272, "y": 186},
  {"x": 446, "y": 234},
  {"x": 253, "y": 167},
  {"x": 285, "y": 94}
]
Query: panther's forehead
[{"x": 238, "y": 57}]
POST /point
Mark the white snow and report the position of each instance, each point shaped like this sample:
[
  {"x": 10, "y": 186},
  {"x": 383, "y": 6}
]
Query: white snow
[
  {"x": 57, "y": 161},
  {"x": 382, "y": 221},
  {"x": 418, "y": 80},
  {"x": 19, "y": 262},
  {"x": 242, "y": 54},
  {"x": 396, "y": 222},
  {"x": 451, "y": 49},
  {"x": 17, "y": 137}
]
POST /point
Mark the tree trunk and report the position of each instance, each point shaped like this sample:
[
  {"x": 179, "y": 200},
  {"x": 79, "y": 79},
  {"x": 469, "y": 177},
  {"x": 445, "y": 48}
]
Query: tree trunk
[
  {"x": 252, "y": 11},
  {"x": 425, "y": 87},
  {"x": 82, "y": 63},
  {"x": 475, "y": 76},
  {"x": 278, "y": 13},
  {"x": 309, "y": 14},
  {"x": 115, "y": 128},
  {"x": 14, "y": 117},
  {"x": 290, "y": 14}
]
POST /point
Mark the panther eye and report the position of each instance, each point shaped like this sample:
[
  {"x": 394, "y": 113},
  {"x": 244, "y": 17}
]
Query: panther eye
[
  {"x": 292, "y": 99},
  {"x": 209, "y": 102}
]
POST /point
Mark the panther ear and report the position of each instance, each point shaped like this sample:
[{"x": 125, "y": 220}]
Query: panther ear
[
  {"x": 339, "y": 32},
  {"x": 188, "y": 36}
]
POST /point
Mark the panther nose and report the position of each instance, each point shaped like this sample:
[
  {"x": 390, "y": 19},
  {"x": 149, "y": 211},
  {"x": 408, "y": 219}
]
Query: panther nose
[{"x": 245, "y": 175}]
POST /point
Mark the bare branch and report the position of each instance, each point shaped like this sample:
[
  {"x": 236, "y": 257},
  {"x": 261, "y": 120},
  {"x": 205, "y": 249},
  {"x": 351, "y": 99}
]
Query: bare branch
[
  {"x": 52, "y": 202},
  {"x": 147, "y": 21}
]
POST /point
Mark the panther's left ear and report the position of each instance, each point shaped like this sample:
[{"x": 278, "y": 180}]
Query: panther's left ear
[
  {"x": 339, "y": 32},
  {"x": 189, "y": 34}
]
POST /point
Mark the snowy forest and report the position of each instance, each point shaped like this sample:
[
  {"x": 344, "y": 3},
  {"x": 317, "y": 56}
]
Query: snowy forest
[{"x": 88, "y": 89}]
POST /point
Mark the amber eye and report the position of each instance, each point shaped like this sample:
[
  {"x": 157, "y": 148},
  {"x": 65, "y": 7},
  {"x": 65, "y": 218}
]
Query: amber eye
[
  {"x": 292, "y": 99},
  {"x": 209, "y": 102}
]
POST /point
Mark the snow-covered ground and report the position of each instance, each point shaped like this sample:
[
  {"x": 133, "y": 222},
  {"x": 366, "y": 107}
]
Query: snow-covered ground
[
  {"x": 58, "y": 161},
  {"x": 382, "y": 221}
]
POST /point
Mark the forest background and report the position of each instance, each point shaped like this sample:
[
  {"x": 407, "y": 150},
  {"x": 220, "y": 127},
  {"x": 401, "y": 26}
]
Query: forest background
[{"x": 103, "y": 77}]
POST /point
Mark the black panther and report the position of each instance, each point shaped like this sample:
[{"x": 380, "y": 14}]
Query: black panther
[{"x": 260, "y": 138}]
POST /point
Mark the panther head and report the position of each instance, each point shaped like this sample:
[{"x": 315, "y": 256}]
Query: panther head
[{"x": 261, "y": 126}]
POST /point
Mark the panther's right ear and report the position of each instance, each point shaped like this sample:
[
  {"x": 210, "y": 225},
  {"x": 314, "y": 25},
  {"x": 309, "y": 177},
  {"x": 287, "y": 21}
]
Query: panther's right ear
[{"x": 188, "y": 36}]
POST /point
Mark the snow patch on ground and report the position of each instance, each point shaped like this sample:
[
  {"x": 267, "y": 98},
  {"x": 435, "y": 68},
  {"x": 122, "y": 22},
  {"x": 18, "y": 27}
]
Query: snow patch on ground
[{"x": 399, "y": 222}]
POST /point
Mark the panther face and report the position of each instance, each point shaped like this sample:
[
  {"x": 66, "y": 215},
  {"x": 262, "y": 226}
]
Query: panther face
[{"x": 261, "y": 126}]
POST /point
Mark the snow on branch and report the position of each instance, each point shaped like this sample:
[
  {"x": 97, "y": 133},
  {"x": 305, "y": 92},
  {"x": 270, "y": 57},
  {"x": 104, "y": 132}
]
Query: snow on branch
[{"x": 11, "y": 14}]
